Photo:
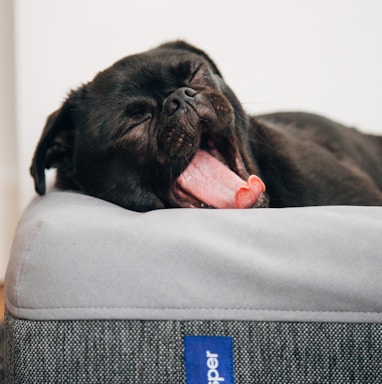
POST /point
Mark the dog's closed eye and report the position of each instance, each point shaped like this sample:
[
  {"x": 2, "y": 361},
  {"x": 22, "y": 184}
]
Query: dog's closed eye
[
  {"x": 137, "y": 110},
  {"x": 194, "y": 75},
  {"x": 135, "y": 114},
  {"x": 201, "y": 76}
]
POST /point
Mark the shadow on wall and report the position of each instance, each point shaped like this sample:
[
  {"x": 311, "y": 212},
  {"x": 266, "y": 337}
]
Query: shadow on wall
[{"x": 9, "y": 203}]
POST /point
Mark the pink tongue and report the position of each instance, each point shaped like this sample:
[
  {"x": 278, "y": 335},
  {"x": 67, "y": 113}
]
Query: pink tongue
[{"x": 213, "y": 183}]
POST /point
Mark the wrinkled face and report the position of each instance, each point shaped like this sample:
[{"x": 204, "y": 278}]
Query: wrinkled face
[{"x": 155, "y": 130}]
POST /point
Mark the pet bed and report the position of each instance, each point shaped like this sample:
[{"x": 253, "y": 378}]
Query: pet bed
[{"x": 99, "y": 294}]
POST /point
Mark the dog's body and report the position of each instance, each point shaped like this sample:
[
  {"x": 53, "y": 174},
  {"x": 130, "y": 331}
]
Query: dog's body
[
  {"x": 162, "y": 129},
  {"x": 307, "y": 160}
]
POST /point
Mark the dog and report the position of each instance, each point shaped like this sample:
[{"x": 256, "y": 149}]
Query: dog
[{"x": 162, "y": 129}]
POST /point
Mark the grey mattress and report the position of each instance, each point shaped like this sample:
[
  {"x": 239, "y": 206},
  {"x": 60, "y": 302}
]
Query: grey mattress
[{"x": 96, "y": 293}]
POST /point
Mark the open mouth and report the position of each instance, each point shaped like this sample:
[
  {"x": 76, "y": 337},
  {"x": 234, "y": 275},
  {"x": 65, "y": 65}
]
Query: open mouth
[{"x": 217, "y": 178}]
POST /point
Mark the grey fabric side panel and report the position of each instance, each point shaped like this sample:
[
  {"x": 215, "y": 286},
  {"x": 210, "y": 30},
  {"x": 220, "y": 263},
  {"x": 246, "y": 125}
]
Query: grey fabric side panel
[
  {"x": 151, "y": 352},
  {"x": 76, "y": 257}
]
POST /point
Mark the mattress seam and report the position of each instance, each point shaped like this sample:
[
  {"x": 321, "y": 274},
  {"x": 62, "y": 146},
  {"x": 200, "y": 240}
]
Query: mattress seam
[{"x": 196, "y": 308}]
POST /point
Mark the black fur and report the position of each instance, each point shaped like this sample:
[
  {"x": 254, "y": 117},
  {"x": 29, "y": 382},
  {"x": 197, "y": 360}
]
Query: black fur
[{"x": 127, "y": 135}]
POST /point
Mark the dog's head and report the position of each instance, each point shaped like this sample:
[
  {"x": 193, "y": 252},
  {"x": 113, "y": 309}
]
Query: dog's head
[{"x": 158, "y": 129}]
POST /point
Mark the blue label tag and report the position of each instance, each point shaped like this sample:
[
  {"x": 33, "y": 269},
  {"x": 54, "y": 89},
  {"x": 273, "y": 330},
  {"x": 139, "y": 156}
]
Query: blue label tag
[{"x": 209, "y": 360}]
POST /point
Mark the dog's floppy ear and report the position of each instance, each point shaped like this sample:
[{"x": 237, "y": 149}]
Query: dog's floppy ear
[
  {"x": 54, "y": 147},
  {"x": 180, "y": 44}
]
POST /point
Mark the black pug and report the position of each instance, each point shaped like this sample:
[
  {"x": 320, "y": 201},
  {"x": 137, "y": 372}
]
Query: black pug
[{"x": 162, "y": 129}]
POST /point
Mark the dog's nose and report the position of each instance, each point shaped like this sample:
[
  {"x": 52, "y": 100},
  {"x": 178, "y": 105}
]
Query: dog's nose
[{"x": 179, "y": 100}]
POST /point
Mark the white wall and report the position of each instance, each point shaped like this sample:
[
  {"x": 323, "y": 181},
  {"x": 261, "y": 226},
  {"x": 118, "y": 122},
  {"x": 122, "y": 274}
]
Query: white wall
[
  {"x": 323, "y": 56},
  {"x": 8, "y": 167}
]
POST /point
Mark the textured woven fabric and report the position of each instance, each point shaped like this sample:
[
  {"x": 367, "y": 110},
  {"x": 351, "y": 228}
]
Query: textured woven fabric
[
  {"x": 2, "y": 352},
  {"x": 151, "y": 352}
]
